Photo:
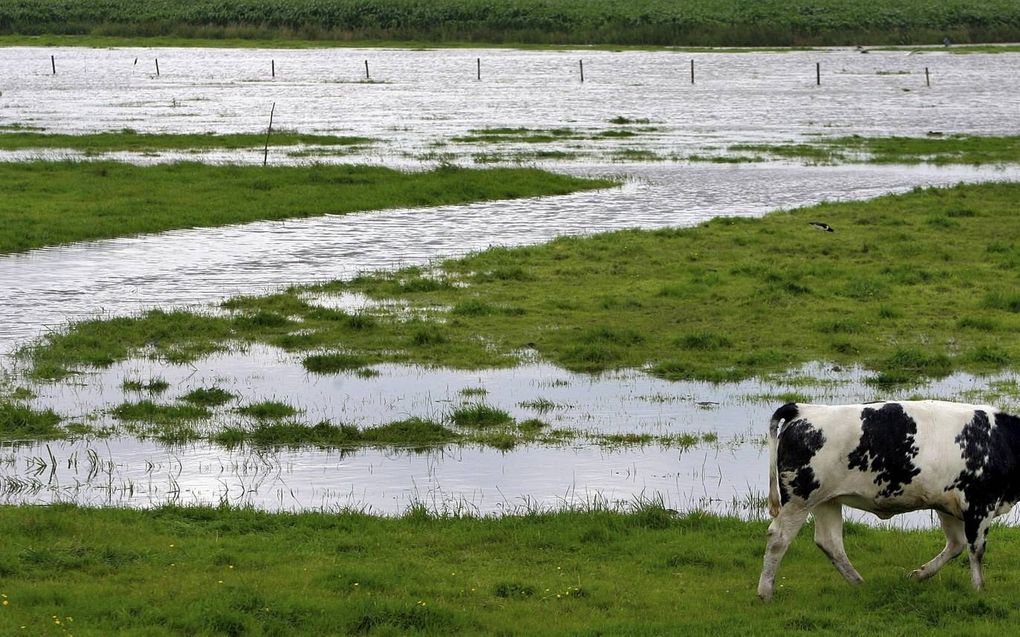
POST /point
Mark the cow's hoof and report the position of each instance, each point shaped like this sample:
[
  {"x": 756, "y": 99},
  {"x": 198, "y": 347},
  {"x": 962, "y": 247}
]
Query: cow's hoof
[{"x": 918, "y": 575}]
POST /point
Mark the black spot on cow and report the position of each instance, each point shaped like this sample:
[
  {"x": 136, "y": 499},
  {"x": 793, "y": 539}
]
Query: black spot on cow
[
  {"x": 798, "y": 443},
  {"x": 887, "y": 447},
  {"x": 991, "y": 454}
]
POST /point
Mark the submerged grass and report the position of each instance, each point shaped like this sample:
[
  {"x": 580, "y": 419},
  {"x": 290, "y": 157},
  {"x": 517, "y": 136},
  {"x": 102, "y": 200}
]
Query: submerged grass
[
  {"x": 49, "y": 203},
  {"x": 933, "y": 149},
  {"x": 21, "y": 422},
  {"x": 131, "y": 140},
  {"x": 912, "y": 286},
  {"x": 197, "y": 570}
]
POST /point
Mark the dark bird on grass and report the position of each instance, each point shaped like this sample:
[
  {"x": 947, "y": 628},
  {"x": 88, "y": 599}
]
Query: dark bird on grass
[{"x": 818, "y": 225}]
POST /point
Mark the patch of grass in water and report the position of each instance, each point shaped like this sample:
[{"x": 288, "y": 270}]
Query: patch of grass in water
[
  {"x": 133, "y": 141},
  {"x": 208, "y": 397},
  {"x": 152, "y": 386},
  {"x": 268, "y": 410},
  {"x": 413, "y": 433},
  {"x": 333, "y": 363},
  {"x": 480, "y": 416},
  {"x": 148, "y": 411},
  {"x": 21, "y": 422}
]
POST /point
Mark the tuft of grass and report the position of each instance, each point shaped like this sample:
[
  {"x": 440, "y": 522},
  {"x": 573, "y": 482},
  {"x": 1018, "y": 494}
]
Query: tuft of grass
[
  {"x": 332, "y": 363},
  {"x": 267, "y": 410},
  {"x": 480, "y": 416},
  {"x": 20, "y": 422},
  {"x": 152, "y": 386},
  {"x": 208, "y": 397},
  {"x": 150, "y": 412}
]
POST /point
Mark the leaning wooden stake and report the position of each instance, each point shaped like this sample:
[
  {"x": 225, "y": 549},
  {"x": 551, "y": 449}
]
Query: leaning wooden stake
[
  {"x": 53, "y": 64},
  {"x": 818, "y": 73},
  {"x": 479, "y": 61},
  {"x": 927, "y": 78},
  {"x": 580, "y": 63},
  {"x": 366, "y": 71},
  {"x": 272, "y": 67},
  {"x": 265, "y": 152},
  {"x": 157, "y": 67},
  {"x": 692, "y": 71}
]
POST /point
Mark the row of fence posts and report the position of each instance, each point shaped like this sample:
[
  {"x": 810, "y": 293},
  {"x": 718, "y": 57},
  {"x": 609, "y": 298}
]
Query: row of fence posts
[{"x": 478, "y": 62}]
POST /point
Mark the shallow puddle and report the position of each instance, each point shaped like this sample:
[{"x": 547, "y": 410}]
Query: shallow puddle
[{"x": 727, "y": 476}]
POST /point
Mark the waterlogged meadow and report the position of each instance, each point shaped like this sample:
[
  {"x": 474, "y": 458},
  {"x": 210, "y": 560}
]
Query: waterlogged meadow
[{"x": 472, "y": 418}]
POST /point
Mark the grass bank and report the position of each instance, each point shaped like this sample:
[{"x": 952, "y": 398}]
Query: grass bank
[
  {"x": 912, "y": 286},
  {"x": 50, "y": 203},
  {"x": 936, "y": 148},
  {"x": 11, "y": 138},
  {"x": 225, "y": 571},
  {"x": 691, "y": 23}
]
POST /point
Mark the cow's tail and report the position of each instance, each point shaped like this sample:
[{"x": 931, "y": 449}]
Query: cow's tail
[{"x": 786, "y": 413}]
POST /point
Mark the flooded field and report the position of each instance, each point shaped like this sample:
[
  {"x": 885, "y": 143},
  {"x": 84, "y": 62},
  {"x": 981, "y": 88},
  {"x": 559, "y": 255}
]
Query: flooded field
[{"x": 414, "y": 105}]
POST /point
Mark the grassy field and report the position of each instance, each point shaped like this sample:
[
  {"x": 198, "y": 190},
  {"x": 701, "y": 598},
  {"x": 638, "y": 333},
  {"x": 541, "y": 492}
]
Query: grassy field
[
  {"x": 692, "y": 22},
  {"x": 200, "y": 571},
  {"x": 50, "y": 203},
  {"x": 911, "y": 286}
]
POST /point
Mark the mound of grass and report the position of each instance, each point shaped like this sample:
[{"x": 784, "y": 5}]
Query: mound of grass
[
  {"x": 332, "y": 363},
  {"x": 480, "y": 416},
  {"x": 268, "y": 410},
  {"x": 208, "y": 397},
  {"x": 20, "y": 422},
  {"x": 150, "y": 412}
]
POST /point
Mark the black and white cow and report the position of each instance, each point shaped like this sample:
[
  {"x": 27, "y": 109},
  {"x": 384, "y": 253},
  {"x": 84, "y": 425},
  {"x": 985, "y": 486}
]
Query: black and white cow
[{"x": 963, "y": 461}]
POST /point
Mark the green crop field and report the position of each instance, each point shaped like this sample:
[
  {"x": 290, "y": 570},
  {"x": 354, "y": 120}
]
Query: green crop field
[{"x": 655, "y": 22}]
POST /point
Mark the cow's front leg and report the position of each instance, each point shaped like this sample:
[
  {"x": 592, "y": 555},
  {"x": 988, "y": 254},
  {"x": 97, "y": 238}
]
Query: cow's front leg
[{"x": 781, "y": 532}]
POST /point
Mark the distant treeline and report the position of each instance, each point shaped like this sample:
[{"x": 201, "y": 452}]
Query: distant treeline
[{"x": 640, "y": 22}]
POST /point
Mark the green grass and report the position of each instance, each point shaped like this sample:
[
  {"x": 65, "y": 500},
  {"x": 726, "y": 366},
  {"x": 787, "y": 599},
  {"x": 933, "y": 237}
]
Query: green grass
[
  {"x": 911, "y": 286},
  {"x": 268, "y": 410},
  {"x": 933, "y": 149},
  {"x": 20, "y": 422},
  {"x": 130, "y": 140},
  {"x": 223, "y": 571},
  {"x": 208, "y": 397},
  {"x": 694, "y": 22},
  {"x": 50, "y": 203}
]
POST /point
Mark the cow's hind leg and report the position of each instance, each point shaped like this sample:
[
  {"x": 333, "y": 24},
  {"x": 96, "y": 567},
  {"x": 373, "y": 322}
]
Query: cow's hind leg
[
  {"x": 977, "y": 532},
  {"x": 956, "y": 540},
  {"x": 781, "y": 532},
  {"x": 829, "y": 538}
]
